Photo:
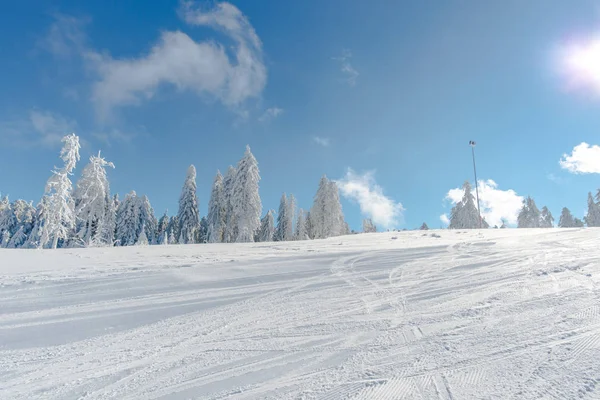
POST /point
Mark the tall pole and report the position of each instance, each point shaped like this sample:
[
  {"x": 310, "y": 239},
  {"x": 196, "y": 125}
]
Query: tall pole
[{"x": 472, "y": 144}]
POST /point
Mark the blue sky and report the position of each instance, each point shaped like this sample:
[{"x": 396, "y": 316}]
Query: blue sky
[{"x": 392, "y": 90}]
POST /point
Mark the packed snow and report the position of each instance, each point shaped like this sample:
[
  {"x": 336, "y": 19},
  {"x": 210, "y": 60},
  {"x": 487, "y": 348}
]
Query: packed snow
[{"x": 454, "y": 314}]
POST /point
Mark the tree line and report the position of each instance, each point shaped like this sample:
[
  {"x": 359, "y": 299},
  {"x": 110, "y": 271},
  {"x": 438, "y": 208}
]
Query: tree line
[
  {"x": 465, "y": 215},
  {"x": 90, "y": 216}
]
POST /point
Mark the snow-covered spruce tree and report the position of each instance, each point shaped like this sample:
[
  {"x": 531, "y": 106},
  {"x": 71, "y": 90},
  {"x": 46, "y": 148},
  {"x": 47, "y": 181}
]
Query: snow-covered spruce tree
[
  {"x": 267, "y": 228},
  {"x": 566, "y": 219},
  {"x": 504, "y": 224},
  {"x": 592, "y": 219},
  {"x": 188, "y": 215},
  {"x": 230, "y": 229},
  {"x": 464, "y": 214},
  {"x": 148, "y": 219},
  {"x": 217, "y": 208},
  {"x": 162, "y": 229},
  {"x": 24, "y": 213},
  {"x": 8, "y": 222},
  {"x": 424, "y": 227},
  {"x": 301, "y": 232},
  {"x": 530, "y": 216},
  {"x": 309, "y": 226},
  {"x": 35, "y": 236},
  {"x": 93, "y": 205},
  {"x": 60, "y": 207},
  {"x": 291, "y": 212},
  {"x": 283, "y": 230},
  {"x": 368, "y": 226},
  {"x": 173, "y": 229},
  {"x": 246, "y": 204},
  {"x": 128, "y": 224},
  {"x": 4, "y": 239},
  {"x": 202, "y": 232},
  {"x": 142, "y": 239},
  {"x": 326, "y": 216},
  {"x": 546, "y": 218},
  {"x": 578, "y": 223}
]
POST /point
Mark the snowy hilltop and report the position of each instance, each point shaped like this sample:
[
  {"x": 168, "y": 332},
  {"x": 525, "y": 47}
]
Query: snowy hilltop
[{"x": 453, "y": 314}]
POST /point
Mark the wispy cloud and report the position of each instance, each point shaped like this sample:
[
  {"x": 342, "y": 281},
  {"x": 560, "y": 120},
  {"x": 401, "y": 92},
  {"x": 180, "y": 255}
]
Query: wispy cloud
[
  {"x": 112, "y": 136},
  {"x": 204, "y": 67},
  {"x": 38, "y": 128},
  {"x": 584, "y": 159},
  {"x": 270, "y": 113},
  {"x": 66, "y": 37},
  {"x": 369, "y": 195},
  {"x": 556, "y": 179},
  {"x": 321, "y": 141},
  {"x": 496, "y": 204},
  {"x": 350, "y": 73}
]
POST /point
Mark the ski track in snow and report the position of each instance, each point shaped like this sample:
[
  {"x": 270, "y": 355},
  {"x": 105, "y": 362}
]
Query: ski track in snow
[{"x": 495, "y": 314}]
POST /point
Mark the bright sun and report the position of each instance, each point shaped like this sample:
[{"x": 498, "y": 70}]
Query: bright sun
[{"x": 581, "y": 63}]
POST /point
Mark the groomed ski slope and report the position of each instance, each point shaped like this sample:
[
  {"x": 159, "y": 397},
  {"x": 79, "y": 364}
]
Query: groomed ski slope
[{"x": 495, "y": 314}]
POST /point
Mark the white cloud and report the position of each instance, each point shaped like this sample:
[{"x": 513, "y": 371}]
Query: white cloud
[
  {"x": 346, "y": 68},
  {"x": 369, "y": 195},
  {"x": 321, "y": 141},
  {"x": 584, "y": 159},
  {"x": 65, "y": 37},
  {"x": 231, "y": 74},
  {"x": 41, "y": 128},
  {"x": 445, "y": 220},
  {"x": 270, "y": 113},
  {"x": 496, "y": 204},
  {"x": 114, "y": 135}
]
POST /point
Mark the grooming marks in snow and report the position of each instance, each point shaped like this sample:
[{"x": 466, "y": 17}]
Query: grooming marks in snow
[{"x": 509, "y": 314}]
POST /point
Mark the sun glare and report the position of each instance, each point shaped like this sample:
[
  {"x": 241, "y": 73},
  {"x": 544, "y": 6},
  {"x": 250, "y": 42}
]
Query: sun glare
[{"x": 581, "y": 64}]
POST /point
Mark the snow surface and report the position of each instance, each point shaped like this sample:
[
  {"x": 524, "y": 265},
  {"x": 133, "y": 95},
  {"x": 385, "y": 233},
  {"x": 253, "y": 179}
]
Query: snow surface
[{"x": 495, "y": 314}]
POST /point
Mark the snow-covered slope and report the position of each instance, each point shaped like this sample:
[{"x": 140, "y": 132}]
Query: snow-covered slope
[{"x": 506, "y": 314}]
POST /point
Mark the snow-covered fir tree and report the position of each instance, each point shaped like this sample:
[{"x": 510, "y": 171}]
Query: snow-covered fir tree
[
  {"x": 217, "y": 208},
  {"x": 464, "y": 214},
  {"x": 326, "y": 216},
  {"x": 173, "y": 229},
  {"x": 142, "y": 239},
  {"x": 202, "y": 232},
  {"x": 301, "y": 231},
  {"x": 246, "y": 204},
  {"x": 230, "y": 229},
  {"x": 424, "y": 227},
  {"x": 566, "y": 219},
  {"x": 504, "y": 224},
  {"x": 546, "y": 218},
  {"x": 148, "y": 219},
  {"x": 60, "y": 207},
  {"x": 94, "y": 205},
  {"x": 530, "y": 216},
  {"x": 592, "y": 219},
  {"x": 18, "y": 239},
  {"x": 188, "y": 215},
  {"x": 578, "y": 223},
  {"x": 4, "y": 239},
  {"x": 283, "y": 231},
  {"x": 162, "y": 231},
  {"x": 369, "y": 226},
  {"x": 8, "y": 221},
  {"x": 24, "y": 215},
  {"x": 267, "y": 228},
  {"x": 128, "y": 224}
]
